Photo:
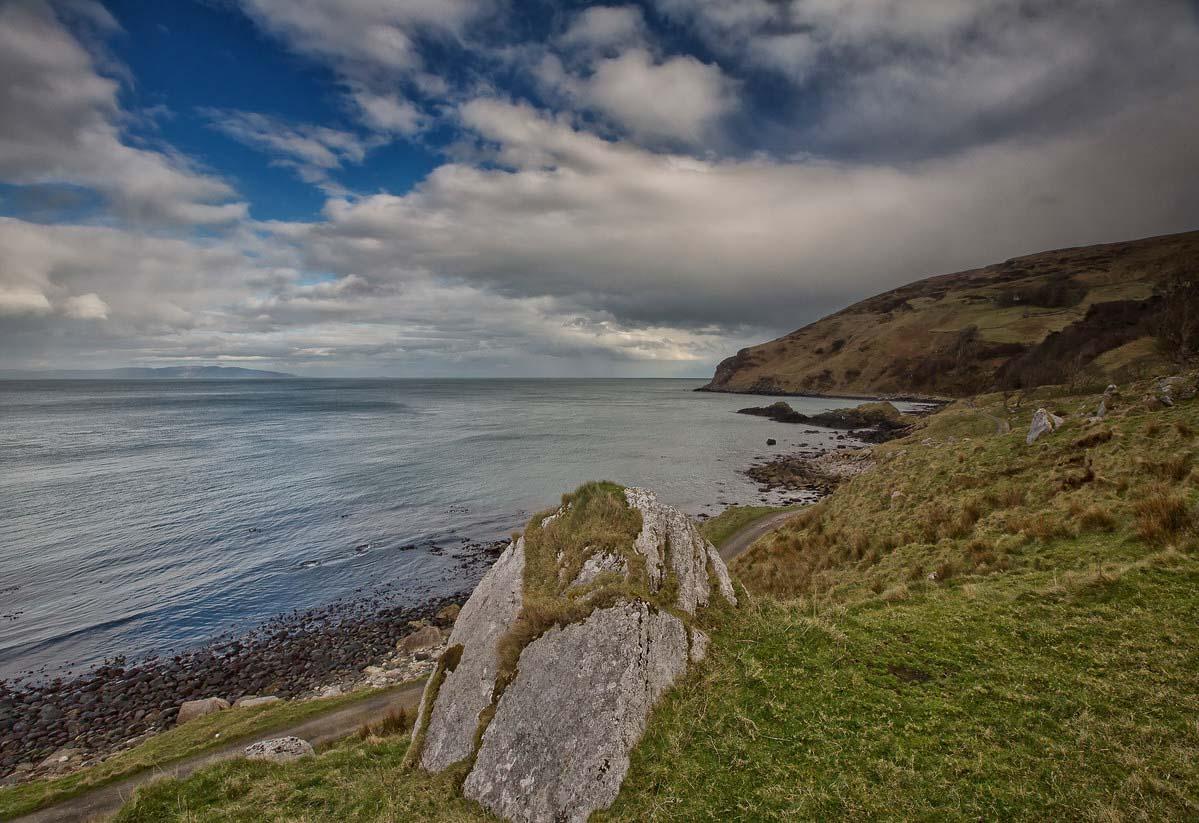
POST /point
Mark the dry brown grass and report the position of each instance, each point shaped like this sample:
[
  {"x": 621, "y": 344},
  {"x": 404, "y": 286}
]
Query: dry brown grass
[
  {"x": 1162, "y": 516},
  {"x": 1097, "y": 519},
  {"x": 395, "y": 722}
]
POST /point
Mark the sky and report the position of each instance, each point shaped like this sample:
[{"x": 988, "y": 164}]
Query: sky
[{"x": 419, "y": 188}]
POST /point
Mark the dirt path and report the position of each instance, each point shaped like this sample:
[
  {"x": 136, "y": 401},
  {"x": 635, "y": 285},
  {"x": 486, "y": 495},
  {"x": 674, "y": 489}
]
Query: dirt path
[
  {"x": 743, "y": 539},
  {"x": 105, "y": 801}
]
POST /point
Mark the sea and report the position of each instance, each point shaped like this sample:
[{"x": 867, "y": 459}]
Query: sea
[{"x": 139, "y": 518}]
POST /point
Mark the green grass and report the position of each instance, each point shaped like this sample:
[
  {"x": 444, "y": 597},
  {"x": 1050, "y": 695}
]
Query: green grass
[
  {"x": 355, "y": 781},
  {"x": 719, "y": 529},
  {"x": 1010, "y": 637},
  {"x": 195, "y": 737},
  {"x": 1002, "y": 700}
]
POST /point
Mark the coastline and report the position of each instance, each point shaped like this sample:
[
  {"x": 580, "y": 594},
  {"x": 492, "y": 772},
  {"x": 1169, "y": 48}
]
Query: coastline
[
  {"x": 768, "y": 391},
  {"x": 332, "y": 649}
]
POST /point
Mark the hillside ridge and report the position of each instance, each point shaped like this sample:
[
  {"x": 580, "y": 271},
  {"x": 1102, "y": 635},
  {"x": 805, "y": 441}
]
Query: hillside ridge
[{"x": 1084, "y": 313}]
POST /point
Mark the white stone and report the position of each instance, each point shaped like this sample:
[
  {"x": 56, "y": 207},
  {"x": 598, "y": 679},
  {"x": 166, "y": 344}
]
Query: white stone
[
  {"x": 280, "y": 750},
  {"x": 466, "y": 691},
  {"x": 596, "y": 565},
  {"x": 668, "y": 536}
]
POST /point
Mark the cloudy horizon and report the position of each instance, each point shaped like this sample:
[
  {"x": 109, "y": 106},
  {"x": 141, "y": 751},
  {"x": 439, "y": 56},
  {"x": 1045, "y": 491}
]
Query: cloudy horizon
[{"x": 479, "y": 187}]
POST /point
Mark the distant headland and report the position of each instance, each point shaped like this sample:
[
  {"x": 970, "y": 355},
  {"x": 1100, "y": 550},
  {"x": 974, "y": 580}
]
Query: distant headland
[{"x": 164, "y": 373}]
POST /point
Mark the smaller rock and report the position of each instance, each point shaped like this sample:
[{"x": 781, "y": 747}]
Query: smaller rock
[
  {"x": 770, "y": 441},
  {"x": 699, "y": 646},
  {"x": 1042, "y": 422},
  {"x": 420, "y": 639},
  {"x": 60, "y": 758},
  {"x": 330, "y": 691},
  {"x": 450, "y": 613},
  {"x": 198, "y": 708},
  {"x": 280, "y": 750},
  {"x": 250, "y": 701}
]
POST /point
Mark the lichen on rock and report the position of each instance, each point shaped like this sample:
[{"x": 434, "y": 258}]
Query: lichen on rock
[{"x": 564, "y": 649}]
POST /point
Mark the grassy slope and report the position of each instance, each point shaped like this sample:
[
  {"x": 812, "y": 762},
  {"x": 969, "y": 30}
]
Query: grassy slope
[
  {"x": 1053, "y": 672},
  {"x": 877, "y": 346},
  {"x": 196, "y": 737},
  {"x": 1050, "y": 672}
]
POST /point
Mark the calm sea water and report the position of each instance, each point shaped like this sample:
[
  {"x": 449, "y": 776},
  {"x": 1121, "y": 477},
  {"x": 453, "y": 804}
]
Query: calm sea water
[{"x": 140, "y": 517}]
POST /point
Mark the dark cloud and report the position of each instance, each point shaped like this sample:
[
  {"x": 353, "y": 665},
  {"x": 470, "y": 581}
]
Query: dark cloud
[{"x": 602, "y": 212}]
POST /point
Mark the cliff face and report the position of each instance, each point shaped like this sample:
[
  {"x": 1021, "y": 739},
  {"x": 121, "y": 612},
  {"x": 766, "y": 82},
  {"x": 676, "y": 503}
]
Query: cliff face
[{"x": 1085, "y": 313}]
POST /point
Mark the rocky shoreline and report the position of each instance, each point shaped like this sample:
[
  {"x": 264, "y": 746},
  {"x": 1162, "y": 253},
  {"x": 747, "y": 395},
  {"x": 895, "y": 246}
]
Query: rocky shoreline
[{"x": 66, "y": 723}]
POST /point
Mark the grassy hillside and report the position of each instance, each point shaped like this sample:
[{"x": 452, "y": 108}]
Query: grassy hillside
[
  {"x": 1057, "y": 317},
  {"x": 975, "y": 629}
]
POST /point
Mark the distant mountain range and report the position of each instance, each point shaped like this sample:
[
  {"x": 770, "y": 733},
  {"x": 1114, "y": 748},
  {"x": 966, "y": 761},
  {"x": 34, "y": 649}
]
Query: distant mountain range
[
  {"x": 165, "y": 373},
  {"x": 1092, "y": 315}
]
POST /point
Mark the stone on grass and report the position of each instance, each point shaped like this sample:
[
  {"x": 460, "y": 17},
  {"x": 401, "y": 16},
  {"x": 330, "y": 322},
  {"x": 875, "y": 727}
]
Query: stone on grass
[
  {"x": 1042, "y": 423},
  {"x": 596, "y": 565},
  {"x": 250, "y": 701},
  {"x": 280, "y": 750},
  {"x": 198, "y": 708}
]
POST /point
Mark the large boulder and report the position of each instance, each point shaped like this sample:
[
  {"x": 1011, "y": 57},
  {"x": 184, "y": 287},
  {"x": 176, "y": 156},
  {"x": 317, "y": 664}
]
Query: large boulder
[
  {"x": 425, "y": 637},
  {"x": 561, "y": 653},
  {"x": 1043, "y": 422},
  {"x": 192, "y": 709}
]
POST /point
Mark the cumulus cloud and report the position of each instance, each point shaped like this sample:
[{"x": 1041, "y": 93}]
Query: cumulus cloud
[
  {"x": 363, "y": 34},
  {"x": 604, "y": 27},
  {"x": 664, "y": 238},
  {"x": 60, "y": 123},
  {"x": 918, "y": 77},
  {"x": 86, "y": 307}
]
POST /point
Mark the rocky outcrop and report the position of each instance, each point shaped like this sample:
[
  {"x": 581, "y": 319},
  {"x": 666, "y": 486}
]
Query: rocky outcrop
[
  {"x": 670, "y": 543},
  {"x": 464, "y": 692},
  {"x": 541, "y": 758},
  {"x": 882, "y": 419},
  {"x": 280, "y": 750},
  {"x": 561, "y": 653}
]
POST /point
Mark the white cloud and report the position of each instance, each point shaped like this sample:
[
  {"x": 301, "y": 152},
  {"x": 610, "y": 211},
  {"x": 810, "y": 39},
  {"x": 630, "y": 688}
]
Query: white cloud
[
  {"x": 670, "y": 240},
  {"x": 19, "y": 301},
  {"x": 388, "y": 112},
  {"x": 920, "y": 77},
  {"x": 314, "y": 151},
  {"x": 678, "y": 100},
  {"x": 60, "y": 123},
  {"x": 602, "y": 27},
  {"x": 86, "y": 307},
  {"x": 363, "y": 33}
]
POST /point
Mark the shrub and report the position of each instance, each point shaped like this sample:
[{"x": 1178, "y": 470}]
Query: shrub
[
  {"x": 1162, "y": 515},
  {"x": 1096, "y": 519}
]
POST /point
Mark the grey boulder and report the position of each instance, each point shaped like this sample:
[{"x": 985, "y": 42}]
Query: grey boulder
[
  {"x": 198, "y": 708},
  {"x": 280, "y": 750},
  {"x": 558, "y": 747}
]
